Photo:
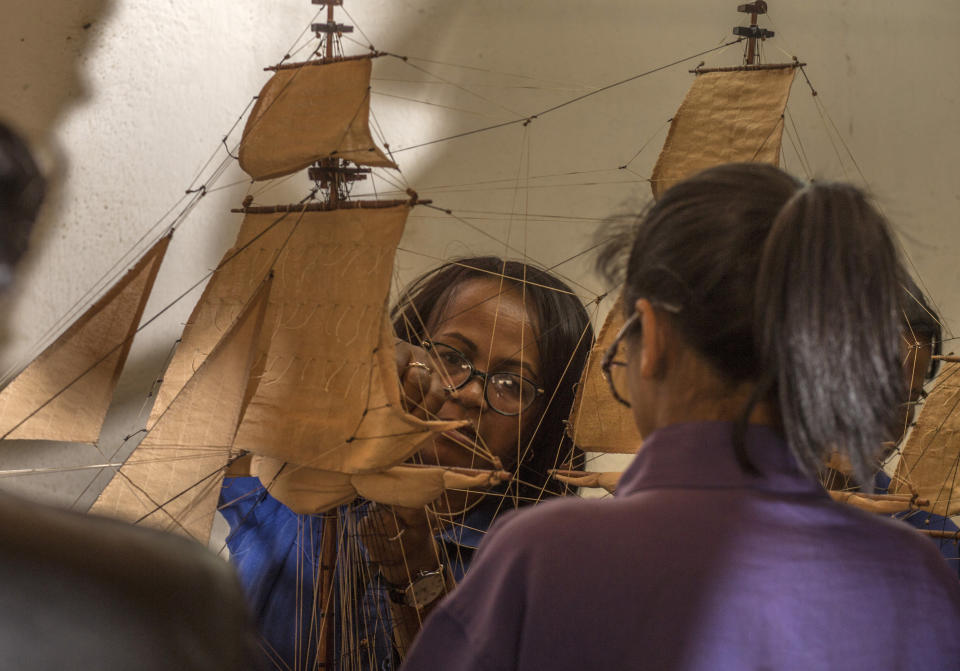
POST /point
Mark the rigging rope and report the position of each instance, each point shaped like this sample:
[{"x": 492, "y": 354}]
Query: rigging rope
[{"x": 526, "y": 120}]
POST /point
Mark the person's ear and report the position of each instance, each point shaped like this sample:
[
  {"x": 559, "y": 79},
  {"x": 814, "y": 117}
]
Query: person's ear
[{"x": 654, "y": 339}]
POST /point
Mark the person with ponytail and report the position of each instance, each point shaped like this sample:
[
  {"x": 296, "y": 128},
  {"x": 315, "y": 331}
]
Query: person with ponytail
[{"x": 762, "y": 333}]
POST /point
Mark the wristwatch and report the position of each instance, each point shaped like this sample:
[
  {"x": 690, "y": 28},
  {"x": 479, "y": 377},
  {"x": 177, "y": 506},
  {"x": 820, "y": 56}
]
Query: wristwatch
[{"x": 425, "y": 588}]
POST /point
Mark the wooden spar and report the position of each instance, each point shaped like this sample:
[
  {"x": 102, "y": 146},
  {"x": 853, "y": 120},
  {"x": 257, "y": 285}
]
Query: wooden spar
[
  {"x": 946, "y": 357},
  {"x": 752, "y": 42},
  {"x": 326, "y": 207},
  {"x": 742, "y": 68},
  {"x": 333, "y": 178},
  {"x": 325, "y": 61},
  {"x": 326, "y": 649},
  {"x": 878, "y": 504},
  {"x": 329, "y": 44},
  {"x": 905, "y": 498},
  {"x": 935, "y": 533}
]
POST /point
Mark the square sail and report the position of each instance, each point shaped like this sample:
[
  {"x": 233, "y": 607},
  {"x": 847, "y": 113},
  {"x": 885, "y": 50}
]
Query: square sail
[
  {"x": 727, "y": 117},
  {"x": 323, "y": 391},
  {"x": 309, "y": 112},
  {"x": 597, "y": 422}
]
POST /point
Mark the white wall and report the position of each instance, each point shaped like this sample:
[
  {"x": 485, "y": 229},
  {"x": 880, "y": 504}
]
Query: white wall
[{"x": 126, "y": 112}]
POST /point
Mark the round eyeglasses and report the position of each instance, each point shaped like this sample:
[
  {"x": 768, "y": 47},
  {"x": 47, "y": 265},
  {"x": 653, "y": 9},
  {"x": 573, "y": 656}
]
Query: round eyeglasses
[
  {"x": 615, "y": 372},
  {"x": 506, "y": 393}
]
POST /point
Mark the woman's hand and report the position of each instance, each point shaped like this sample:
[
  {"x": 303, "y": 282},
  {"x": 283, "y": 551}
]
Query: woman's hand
[
  {"x": 401, "y": 546},
  {"x": 399, "y": 542},
  {"x": 423, "y": 390}
]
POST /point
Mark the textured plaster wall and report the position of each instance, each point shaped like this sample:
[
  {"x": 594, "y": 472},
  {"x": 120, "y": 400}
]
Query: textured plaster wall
[{"x": 125, "y": 102}]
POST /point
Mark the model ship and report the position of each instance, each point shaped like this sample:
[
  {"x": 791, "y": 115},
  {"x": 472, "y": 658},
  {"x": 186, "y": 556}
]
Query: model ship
[{"x": 289, "y": 354}]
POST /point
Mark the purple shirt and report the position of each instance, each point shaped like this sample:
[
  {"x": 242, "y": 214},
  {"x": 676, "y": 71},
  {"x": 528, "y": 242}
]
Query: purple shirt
[{"x": 697, "y": 565}]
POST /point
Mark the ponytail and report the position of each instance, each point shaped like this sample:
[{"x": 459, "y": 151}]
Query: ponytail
[
  {"x": 793, "y": 288},
  {"x": 827, "y": 326}
]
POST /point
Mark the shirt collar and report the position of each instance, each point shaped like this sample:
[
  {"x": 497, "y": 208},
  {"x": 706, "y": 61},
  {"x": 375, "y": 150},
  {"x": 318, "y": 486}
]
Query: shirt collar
[{"x": 701, "y": 455}]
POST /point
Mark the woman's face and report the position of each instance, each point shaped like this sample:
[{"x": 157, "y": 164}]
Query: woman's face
[{"x": 488, "y": 322}]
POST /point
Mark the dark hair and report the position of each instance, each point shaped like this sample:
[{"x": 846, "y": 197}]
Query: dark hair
[
  {"x": 21, "y": 192},
  {"x": 922, "y": 321},
  {"x": 793, "y": 287},
  {"x": 564, "y": 341}
]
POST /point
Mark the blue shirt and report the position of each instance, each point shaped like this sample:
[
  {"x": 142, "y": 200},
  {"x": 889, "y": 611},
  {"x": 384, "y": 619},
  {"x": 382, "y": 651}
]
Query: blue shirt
[
  {"x": 277, "y": 556},
  {"x": 693, "y": 565}
]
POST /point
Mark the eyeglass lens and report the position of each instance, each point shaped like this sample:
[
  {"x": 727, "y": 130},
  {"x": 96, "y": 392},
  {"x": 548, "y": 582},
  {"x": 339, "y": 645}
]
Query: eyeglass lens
[
  {"x": 614, "y": 367},
  {"x": 617, "y": 375},
  {"x": 507, "y": 393}
]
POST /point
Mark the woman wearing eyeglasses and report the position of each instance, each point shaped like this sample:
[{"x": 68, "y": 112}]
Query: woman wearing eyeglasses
[
  {"x": 762, "y": 332},
  {"x": 500, "y": 344}
]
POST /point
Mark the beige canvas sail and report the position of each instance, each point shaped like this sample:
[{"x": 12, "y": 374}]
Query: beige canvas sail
[
  {"x": 931, "y": 456},
  {"x": 65, "y": 392},
  {"x": 239, "y": 274},
  {"x": 324, "y": 392},
  {"x": 598, "y": 423},
  {"x": 315, "y": 111},
  {"x": 726, "y": 117},
  {"x": 313, "y": 491},
  {"x": 172, "y": 479},
  {"x": 306, "y": 491},
  {"x": 328, "y": 395}
]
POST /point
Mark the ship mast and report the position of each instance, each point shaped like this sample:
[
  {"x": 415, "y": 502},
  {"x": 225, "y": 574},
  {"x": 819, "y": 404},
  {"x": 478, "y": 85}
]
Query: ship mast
[
  {"x": 327, "y": 174},
  {"x": 332, "y": 174},
  {"x": 752, "y": 32},
  {"x": 751, "y": 53}
]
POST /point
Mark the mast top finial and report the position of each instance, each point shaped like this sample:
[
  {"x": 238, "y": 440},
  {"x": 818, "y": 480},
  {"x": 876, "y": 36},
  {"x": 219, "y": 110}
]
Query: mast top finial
[{"x": 758, "y": 7}]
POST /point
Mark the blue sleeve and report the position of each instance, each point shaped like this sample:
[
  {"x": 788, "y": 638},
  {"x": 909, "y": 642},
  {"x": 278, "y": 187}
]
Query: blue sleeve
[{"x": 276, "y": 554}]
